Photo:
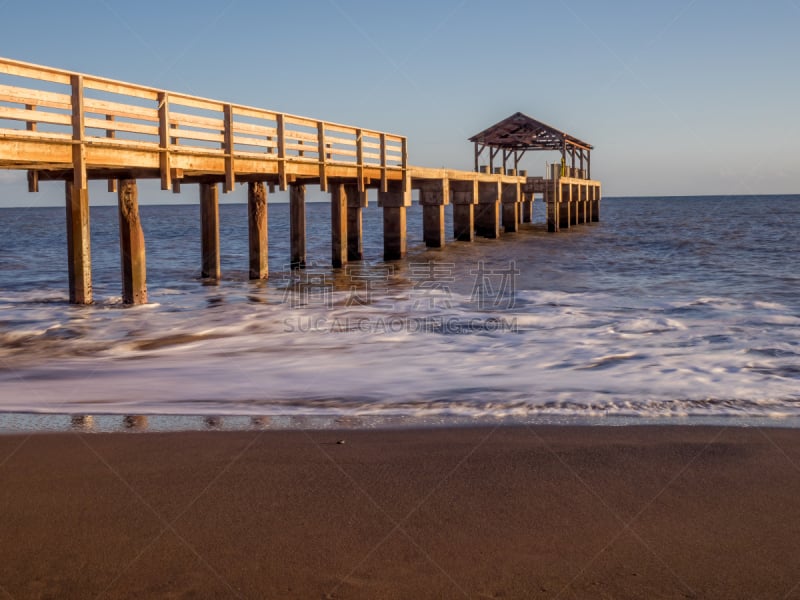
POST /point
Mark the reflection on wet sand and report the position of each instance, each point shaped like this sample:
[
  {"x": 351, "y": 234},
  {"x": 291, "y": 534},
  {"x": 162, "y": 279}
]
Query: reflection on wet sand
[
  {"x": 214, "y": 422},
  {"x": 135, "y": 421},
  {"x": 82, "y": 422}
]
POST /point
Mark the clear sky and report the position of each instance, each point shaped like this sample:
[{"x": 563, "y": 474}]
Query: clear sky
[{"x": 679, "y": 97}]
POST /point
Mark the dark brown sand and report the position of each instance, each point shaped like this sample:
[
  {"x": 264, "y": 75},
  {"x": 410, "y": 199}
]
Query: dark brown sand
[{"x": 545, "y": 512}]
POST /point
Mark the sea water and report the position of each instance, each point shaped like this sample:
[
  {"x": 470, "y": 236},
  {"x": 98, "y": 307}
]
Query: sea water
[{"x": 669, "y": 308}]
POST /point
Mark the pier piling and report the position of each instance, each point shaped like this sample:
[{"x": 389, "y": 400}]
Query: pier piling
[
  {"x": 434, "y": 196},
  {"x": 487, "y": 212},
  {"x": 510, "y": 200},
  {"x": 465, "y": 196},
  {"x": 355, "y": 238},
  {"x": 131, "y": 244},
  {"x": 78, "y": 244},
  {"x": 297, "y": 225},
  {"x": 339, "y": 218},
  {"x": 257, "y": 221},
  {"x": 394, "y": 202},
  {"x": 209, "y": 219},
  {"x": 526, "y": 215}
]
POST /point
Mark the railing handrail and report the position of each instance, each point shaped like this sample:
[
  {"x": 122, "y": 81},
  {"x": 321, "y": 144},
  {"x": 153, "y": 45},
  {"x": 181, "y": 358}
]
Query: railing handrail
[{"x": 63, "y": 76}]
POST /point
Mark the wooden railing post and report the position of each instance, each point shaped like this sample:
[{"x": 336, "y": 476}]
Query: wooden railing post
[
  {"x": 384, "y": 178},
  {"x": 323, "y": 157},
  {"x": 360, "y": 159},
  {"x": 164, "y": 140},
  {"x": 230, "y": 176},
  {"x": 33, "y": 176},
  {"x": 281, "y": 126},
  {"x": 404, "y": 163}
]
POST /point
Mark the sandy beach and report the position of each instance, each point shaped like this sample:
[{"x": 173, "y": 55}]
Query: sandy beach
[{"x": 511, "y": 512}]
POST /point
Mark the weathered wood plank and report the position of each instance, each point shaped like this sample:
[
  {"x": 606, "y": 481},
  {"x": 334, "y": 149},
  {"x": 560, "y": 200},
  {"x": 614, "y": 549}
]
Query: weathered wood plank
[
  {"x": 9, "y": 67},
  {"x": 118, "y": 87},
  {"x": 93, "y": 123},
  {"x": 23, "y": 95},
  {"x": 117, "y": 109},
  {"x": 21, "y": 114}
]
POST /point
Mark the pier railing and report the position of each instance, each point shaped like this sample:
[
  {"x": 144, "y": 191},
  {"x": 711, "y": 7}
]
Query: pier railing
[{"x": 127, "y": 125}]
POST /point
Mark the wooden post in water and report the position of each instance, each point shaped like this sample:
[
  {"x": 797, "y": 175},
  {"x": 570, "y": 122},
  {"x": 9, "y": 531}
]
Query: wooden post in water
[
  {"x": 394, "y": 202},
  {"x": 78, "y": 238},
  {"x": 131, "y": 244},
  {"x": 511, "y": 198},
  {"x": 338, "y": 225},
  {"x": 487, "y": 213},
  {"x": 297, "y": 224},
  {"x": 564, "y": 205},
  {"x": 596, "y": 203},
  {"x": 585, "y": 212},
  {"x": 78, "y": 245},
  {"x": 434, "y": 196},
  {"x": 257, "y": 221},
  {"x": 355, "y": 238},
  {"x": 573, "y": 204},
  {"x": 465, "y": 196},
  {"x": 552, "y": 198},
  {"x": 209, "y": 231},
  {"x": 527, "y": 208}
]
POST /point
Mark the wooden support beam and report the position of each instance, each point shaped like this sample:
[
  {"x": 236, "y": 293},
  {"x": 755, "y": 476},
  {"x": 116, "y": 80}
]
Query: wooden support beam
[
  {"x": 131, "y": 244},
  {"x": 487, "y": 211},
  {"x": 209, "y": 231},
  {"x": 257, "y": 222},
  {"x": 297, "y": 225},
  {"x": 339, "y": 218},
  {"x": 394, "y": 203},
  {"x": 79, "y": 254},
  {"x": 355, "y": 249}
]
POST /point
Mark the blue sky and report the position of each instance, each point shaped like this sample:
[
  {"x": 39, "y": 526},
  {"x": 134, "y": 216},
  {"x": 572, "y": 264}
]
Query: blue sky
[{"x": 679, "y": 97}]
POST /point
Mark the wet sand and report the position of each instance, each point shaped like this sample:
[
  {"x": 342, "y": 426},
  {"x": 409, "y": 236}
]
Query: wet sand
[{"x": 512, "y": 512}]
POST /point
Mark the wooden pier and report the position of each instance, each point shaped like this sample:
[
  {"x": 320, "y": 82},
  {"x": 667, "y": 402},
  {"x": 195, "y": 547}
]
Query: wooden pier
[{"x": 63, "y": 126}]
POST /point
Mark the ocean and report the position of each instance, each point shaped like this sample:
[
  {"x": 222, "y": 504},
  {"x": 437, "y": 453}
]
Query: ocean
[{"x": 669, "y": 309}]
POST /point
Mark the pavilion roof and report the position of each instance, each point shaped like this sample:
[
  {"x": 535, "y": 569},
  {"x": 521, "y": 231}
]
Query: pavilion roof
[{"x": 521, "y": 132}]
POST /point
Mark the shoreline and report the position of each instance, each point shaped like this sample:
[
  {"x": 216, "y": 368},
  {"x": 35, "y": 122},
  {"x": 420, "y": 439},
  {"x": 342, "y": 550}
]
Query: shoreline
[
  {"x": 486, "y": 512},
  {"x": 26, "y": 423}
]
